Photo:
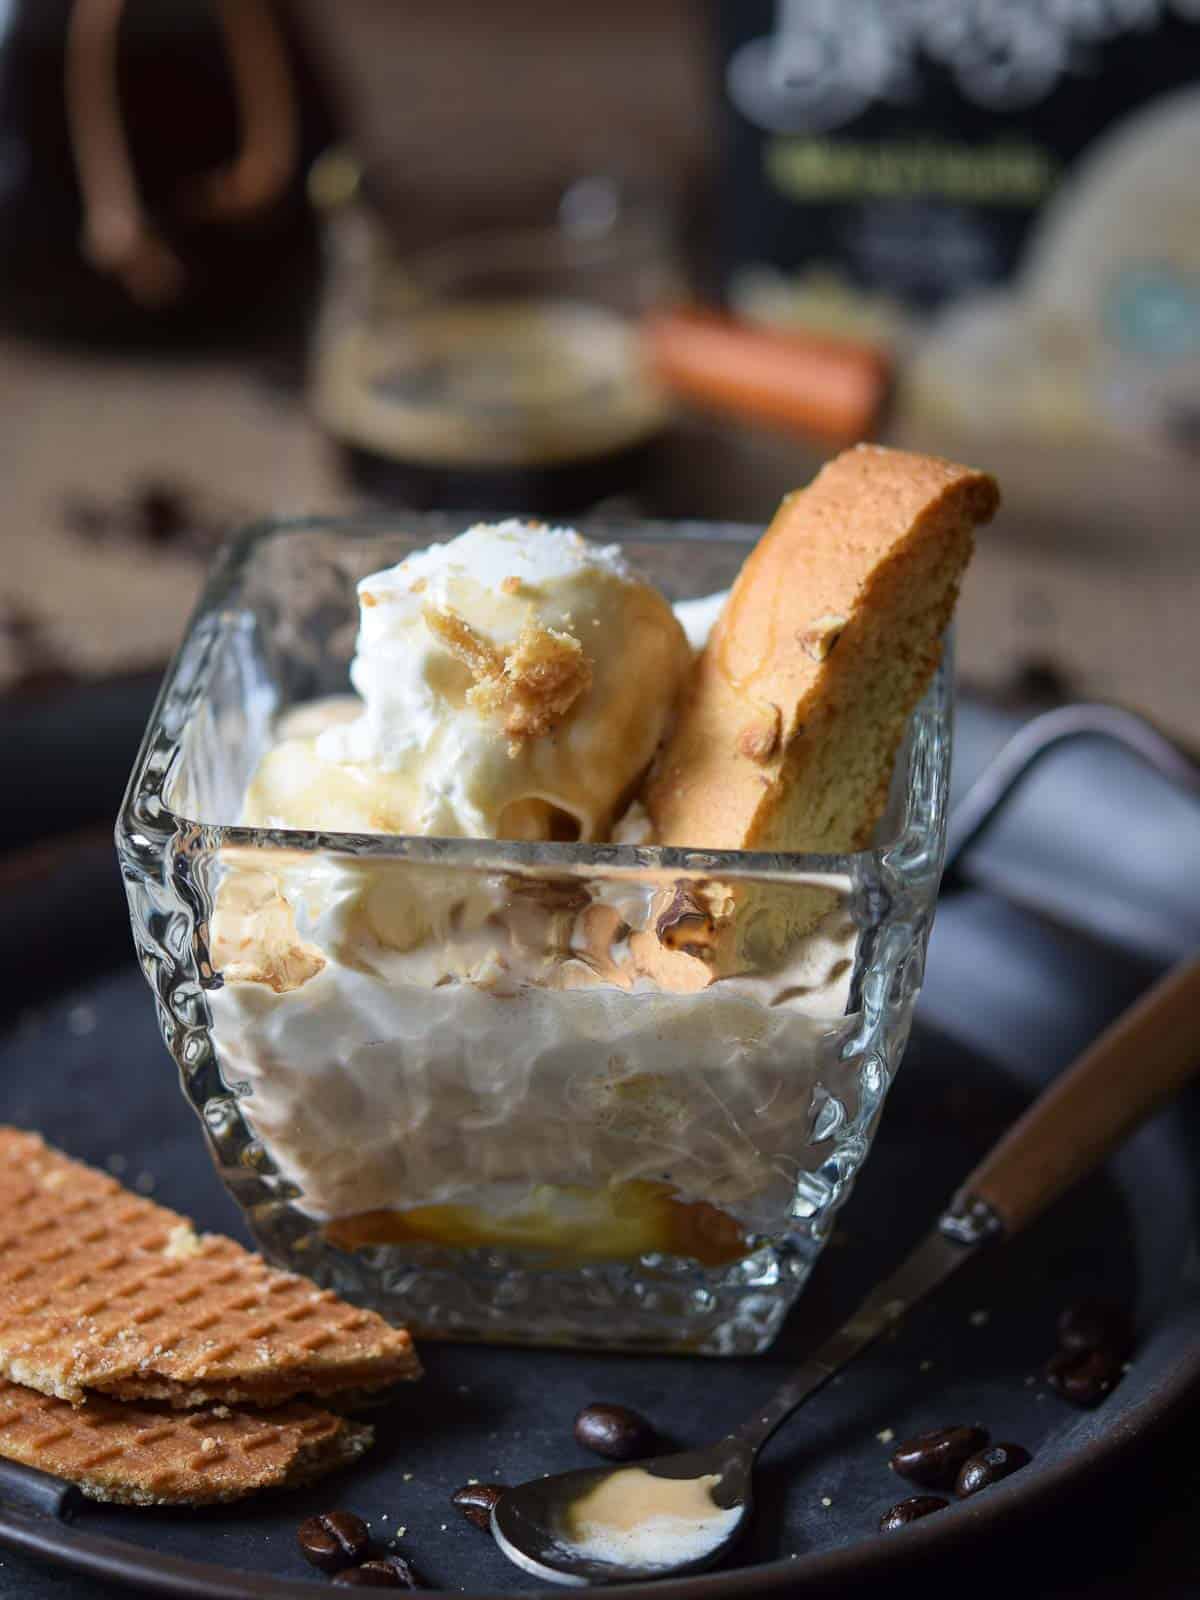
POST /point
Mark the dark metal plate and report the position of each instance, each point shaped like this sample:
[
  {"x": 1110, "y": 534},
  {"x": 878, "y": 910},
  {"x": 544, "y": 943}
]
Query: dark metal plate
[{"x": 1010, "y": 996}]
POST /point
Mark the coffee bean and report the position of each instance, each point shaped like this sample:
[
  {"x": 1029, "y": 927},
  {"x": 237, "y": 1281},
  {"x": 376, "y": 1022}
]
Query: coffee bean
[
  {"x": 333, "y": 1540},
  {"x": 614, "y": 1431},
  {"x": 1096, "y": 1325},
  {"x": 160, "y": 511},
  {"x": 921, "y": 1505},
  {"x": 387, "y": 1572},
  {"x": 933, "y": 1459},
  {"x": 1083, "y": 1377},
  {"x": 476, "y": 1500},
  {"x": 405, "y": 1571},
  {"x": 990, "y": 1466}
]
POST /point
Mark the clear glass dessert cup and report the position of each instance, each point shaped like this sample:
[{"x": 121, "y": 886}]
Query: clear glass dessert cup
[{"x": 464, "y": 1103}]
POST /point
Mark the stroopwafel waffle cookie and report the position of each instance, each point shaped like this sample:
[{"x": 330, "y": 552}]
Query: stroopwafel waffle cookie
[
  {"x": 103, "y": 1290},
  {"x": 136, "y": 1454}
]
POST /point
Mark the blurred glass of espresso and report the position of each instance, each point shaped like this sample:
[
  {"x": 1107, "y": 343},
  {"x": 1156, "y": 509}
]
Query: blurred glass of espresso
[{"x": 502, "y": 369}]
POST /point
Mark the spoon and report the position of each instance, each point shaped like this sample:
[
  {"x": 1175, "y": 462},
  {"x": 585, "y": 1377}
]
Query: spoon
[{"x": 676, "y": 1514}]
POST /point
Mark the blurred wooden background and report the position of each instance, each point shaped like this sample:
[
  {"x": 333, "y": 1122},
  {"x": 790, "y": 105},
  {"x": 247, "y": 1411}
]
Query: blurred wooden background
[{"x": 467, "y": 109}]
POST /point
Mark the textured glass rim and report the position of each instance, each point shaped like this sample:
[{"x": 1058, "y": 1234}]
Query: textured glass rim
[{"x": 925, "y": 794}]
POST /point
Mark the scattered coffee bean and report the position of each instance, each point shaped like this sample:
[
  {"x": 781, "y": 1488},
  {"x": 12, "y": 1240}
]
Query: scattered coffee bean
[
  {"x": 371, "y": 1575},
  {"x": 1096, "y": 1325},
  {"x": 157, "y": 512},
  {"x": 476, "y": 1500},
  {"x": 405, "y": 1571},
  {"x": 1083, "y": 1377},
  {"x": 34, "y": 655},
  {"x": 334, "y": 1540},
  {"x": 921, "y": 1505},
  {"x": 990, "y": 1466},
  {"x": 1036, "y": 681},
  {"x": 614, "y": 1431},
  {"x": 387, "y": 1572},
  {"x": 933, "y": 1459},
  {"x": 161, "y": 512}
]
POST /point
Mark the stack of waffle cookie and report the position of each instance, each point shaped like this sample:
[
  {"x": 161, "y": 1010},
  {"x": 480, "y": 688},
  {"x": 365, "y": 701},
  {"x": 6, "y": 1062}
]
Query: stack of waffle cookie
[{"x": 152, "y": 1365}]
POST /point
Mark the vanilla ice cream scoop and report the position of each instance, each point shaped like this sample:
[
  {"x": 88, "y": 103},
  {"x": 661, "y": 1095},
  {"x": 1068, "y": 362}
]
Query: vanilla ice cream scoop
[{"x": 515, "y": 682}]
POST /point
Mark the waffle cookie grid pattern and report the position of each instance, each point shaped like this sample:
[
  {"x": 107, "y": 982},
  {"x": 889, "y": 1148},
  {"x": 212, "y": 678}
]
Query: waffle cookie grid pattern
[
  {"x": 142, "y": 1455},
  {"x": 102, "y": 1290}
]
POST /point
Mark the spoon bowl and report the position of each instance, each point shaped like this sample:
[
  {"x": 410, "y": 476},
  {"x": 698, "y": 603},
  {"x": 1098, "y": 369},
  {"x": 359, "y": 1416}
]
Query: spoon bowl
[{"x": 539, "y": 1527}]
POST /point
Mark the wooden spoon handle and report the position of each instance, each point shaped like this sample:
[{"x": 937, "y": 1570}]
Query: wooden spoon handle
[{"x": 1133, "y": 1067}]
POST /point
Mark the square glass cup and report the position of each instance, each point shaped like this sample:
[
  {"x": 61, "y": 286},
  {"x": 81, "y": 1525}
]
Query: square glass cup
[{"x": 470, "y": 1108}]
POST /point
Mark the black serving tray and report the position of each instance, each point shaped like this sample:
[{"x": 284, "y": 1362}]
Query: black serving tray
[{"x": 1062, "y": 907}]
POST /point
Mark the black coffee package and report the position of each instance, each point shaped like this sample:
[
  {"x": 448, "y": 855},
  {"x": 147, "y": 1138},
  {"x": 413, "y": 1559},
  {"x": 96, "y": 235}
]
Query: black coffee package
[{"x": 1004, "y": 193}]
